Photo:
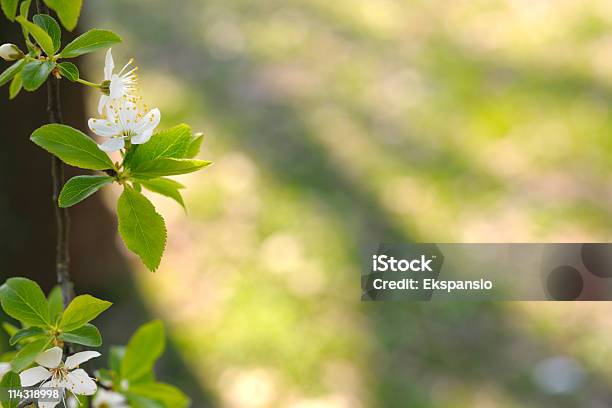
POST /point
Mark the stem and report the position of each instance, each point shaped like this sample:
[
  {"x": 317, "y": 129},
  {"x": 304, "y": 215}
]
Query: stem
[
  {"x": 62, "y": 218},
  {"x": 84, "y": 82}
]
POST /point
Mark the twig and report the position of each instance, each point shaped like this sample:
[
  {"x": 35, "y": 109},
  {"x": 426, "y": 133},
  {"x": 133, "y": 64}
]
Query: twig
[
  {"x": 26, "y": 403},
  {"x": 62, "y": 218}
]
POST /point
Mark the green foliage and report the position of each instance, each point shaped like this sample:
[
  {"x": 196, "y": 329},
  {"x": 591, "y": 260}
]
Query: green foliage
[
  {"x": 35, "y": 73},
  {"x": 86, "y": 335},
  {"x": 165, "y": 187},
  {"x": 81, "y": 310},
  {"x": 44, "y": 321},
  {"x": 25, "y": 333},
  {"x": 141, "y": 227},
  {"x": 134, "y": 365},
  {"x": 9, "y": 7},
  {"x": 143, "y": 349},
  {"x": 56, "y": 303},
  {"x": 40, "y": 35},
  {"x": 171, "y": 143},
  {"x": 194, "y": 146},
  {"x": 69, "y": 71},
  {"x": 11, "y": 71},
  {"x": 28, "y": 354},
  {"x": 22, "y": 299},
  {"x": 12, "y": 381},
  {"x": 71, "y": 146},
  {"x": 143, "y": 230},
  {"x": 51, "y": 27},
  {"x": 15, "y": 87},
  {"x": 24, "y": 9},
  {"x": 91, "y": 41},
  {"x": 67, "y": 10},
  {"x": 165, "y": 394},
  {"x": 80, "y": 187},
  {"x": 9, "y": 329},
  {"x": 167, "y": 167}
]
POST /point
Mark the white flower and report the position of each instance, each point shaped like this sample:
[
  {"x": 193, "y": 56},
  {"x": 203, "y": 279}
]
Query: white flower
[
  {"x": 119, "y": 85},
  {"x": 109, "y": 399},
  {"x": 61, "y": 374},
  {"x": 10, "y": 52},
  {"x": 126, "y": 119},
  {"x": 4, "y": 368}
]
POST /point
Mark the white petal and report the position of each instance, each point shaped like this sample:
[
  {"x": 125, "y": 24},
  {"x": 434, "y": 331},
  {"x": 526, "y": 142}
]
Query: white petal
[
  {"x": 51, "y": 384},
  {"x": 103, "y": 127},
  {"x": 50, "y": 358},
  {"x": 79, "y": 358},
  {"x": 102, "y": 104},
  {"x": 33, "y": 376},
  {"x": 116, "y": 87},
  {"x": 110, "y": 111},
  {"x": 4, "y": 368},
  {"x": 109, "y": 65},
  {"x": 149, "y": 121},
  {"x": 112, "y": 145},
  {"x": 110, "y": 398},
  {"x": 127, "y": 115},
  {"x": 143, "y": 137},
  {"x": 78, "y": 382}
]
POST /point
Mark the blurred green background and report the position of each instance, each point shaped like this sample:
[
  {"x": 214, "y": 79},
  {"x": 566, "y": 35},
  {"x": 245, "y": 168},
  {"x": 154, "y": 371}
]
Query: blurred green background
[{"x": 335, "y": 125}]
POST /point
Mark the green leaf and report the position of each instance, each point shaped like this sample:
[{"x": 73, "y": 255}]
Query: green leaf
[
  {"x": 87, "y": 335},
  {"x": 69, "y": 71},
  {"x": 71, "y": 146},
  {"x": 40, "y": 35},
  {"x": 11, "y": 381},
  {"x": 11, "y": 71},
  {"x": 80, "y": 187},
  {"x": 194, "y": 146},
  {"x": 165, "y": 187},
  {"x": 28, "y": 354},
  {"x": 168, "y": 395},
  {"x": 90, "y": 41},
  {"x": 25, "y": 333},
  {"x": 143, "y": 230},
  {"x": 9, "y": 7},
  {"x": 56, "y": 303},
  {"x": 51, "y": 27},
  {"x": 23, "y": 300},
  {"x": 167, "y": 167},
  {"x": 10, "y": 329},
  {"x": 35, "y": 73},
  {"x": 137, "y": 401},
  {"x": 81, "y": 310},
  {"x": 15, "y": 86},
  {"x": 171, "y": 143},
  {"x": 67, "y": 10},
  {"x": 143, "y": 349},
  {"x": 24, "y": 9}
]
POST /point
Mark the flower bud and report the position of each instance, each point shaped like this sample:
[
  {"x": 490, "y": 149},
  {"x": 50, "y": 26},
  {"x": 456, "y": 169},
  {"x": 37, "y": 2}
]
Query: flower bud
[{"x": 10, "y": 52}]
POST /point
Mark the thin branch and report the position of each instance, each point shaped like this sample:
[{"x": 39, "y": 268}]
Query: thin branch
[
  {"x": 62, "y": 218},
  {"x": 27, "y": 403}
]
